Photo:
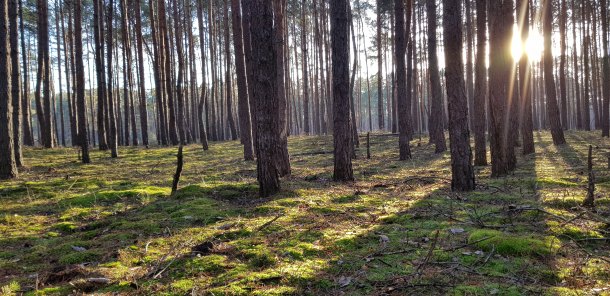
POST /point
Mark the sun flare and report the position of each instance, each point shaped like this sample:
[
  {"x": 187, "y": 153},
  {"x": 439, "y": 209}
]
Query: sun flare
[{"x": 532, "y": 47}]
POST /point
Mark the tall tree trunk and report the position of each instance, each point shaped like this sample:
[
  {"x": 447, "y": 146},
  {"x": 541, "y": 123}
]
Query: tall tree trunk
[
  {"x": 168, "y": 80},
  {"x": 203, "y": 128},
  {"x": 245, "y": 124},
  {"x": 98, "y": 30},
  {"x": 401, "y": 28},
  {"x": 28, "y": 137},
  {"x": 305, "y": 63},
  {"x": 469, "y": 63},
  {"x": 587, "y": 85},
  {"x": 549, "y": 79},
  {"x": 266, "y": 103},
  {"x": 500, "y": 64},
  {"x": 142, "y": 79},
  {"x": 283, "y": 158},
  {"x": 435, "y": 120},
  {"x": 8, "y": 166},
  {"x": 113, "y": 136},
  {"x": 525, "y": 83},
  {"x": 462, "y": 172},
  {"x": 81, "y": 108},
  {"x": 380, "y": 119},
  {"x": 606, "y": 71},
  {"x": 44, "y": 68},
  {"x": 480, "y": 92},
  {"x": 228, "y": 76},
  {"x": 13, "y": 11},
  {"x": 562, "y": 64},
  {"x": 340, "y": 73},
  {"x": 180, "y": 120}
]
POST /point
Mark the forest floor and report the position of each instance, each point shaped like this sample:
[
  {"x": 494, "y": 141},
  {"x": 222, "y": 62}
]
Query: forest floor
[{"x": 112, "y": 227}]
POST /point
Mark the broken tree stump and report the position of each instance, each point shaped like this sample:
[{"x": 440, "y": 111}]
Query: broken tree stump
[
  {"x": 590, "y": 199},
  {"x": 179, "y": 165}
]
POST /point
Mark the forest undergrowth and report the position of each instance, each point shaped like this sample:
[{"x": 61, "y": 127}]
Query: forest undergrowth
[{"x": 112, "y": 227}]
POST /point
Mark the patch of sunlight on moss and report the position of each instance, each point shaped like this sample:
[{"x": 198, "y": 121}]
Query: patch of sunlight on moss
[
  {"x": 556, "y": 182},
  {"x": 598, "y": 269},
  {"x": 65, "y": 227},
  {"x": 11, "y": 289},
  {"x": 282, "y": 290},
  {"x": 111, "y": 196},
  {"x": 51, "y": 291},
  {"x": 213, "y": 264},
  {"x": 182, "y": 286},
  {"x": 507, "y": 244},
  {"x": 571, "y": 231},
  {"x": 76, "y": 212}
]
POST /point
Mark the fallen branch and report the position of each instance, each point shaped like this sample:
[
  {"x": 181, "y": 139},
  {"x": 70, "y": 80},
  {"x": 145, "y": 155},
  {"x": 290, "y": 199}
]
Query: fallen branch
[{"x": 269, "y": 222}]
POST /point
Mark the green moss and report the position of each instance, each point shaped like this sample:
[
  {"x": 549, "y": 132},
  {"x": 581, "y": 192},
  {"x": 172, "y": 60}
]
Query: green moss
[
  {"x": 345, "y": 199},
  {"x": 213, "y": 264},
  {"x": 79, "y": 257},
  {"x": 507, "y": 244},
  {"x": 66, "y": 227},
  {"x": 260, "y": 257}
]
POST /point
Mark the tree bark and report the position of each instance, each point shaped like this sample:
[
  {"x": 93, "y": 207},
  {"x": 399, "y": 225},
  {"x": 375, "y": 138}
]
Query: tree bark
[
  {"x": 81, "y": 108},
  {"x": 245, "y": 124},
  {"x": 283, "y": 158},
  {"x": 266, "y": 103},
  {"x": 500, "y": 64},
  {"x": 340, "y": 76},
  {"x": 525, "y": 83},
  {"x": 8, "y": 166},
  {"x": 549, "y": 79},
  {"x": 462, "y": 173},
  {"x": 28, "y": 137},
  {"x": 606, "y": 71},
  {"x": 15, "y": 82},
  {"x": 435, "y": 120},
  {"x": 142, "y": 79},
  {"x": 380, "y": 119},
  {"x": 44, "y": 68},
  {"x": 480, "y": 92},
  {"x": 401, "y": 27}
]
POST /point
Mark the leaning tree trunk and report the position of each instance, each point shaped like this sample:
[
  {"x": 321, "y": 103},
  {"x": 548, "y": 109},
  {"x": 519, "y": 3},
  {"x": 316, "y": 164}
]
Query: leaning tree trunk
[
  {"x": 8, "y": 167},
  {"x": 549, "y": 79},
  {"x": 435, "y": 120},
  {"x": 462, "y": 172},
  {"x": 266, "y": 103},
  {"x": 341, "y": 101}
]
